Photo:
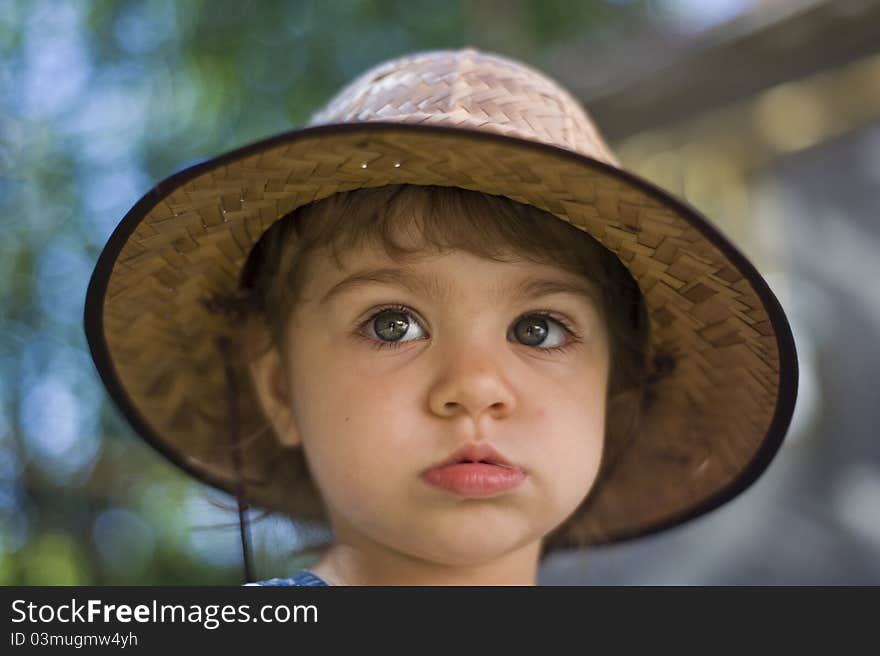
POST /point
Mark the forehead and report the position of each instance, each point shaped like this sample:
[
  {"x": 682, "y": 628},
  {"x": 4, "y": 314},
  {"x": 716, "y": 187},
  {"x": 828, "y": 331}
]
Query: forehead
[{"x": 441, "y": 274}]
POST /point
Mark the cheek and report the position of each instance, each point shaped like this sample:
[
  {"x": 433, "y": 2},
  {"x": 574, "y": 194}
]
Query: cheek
[
  {"x": 350, "y": 422},
  {"x": 574, "y": 426},
  {"x": 580, "y": 433},
  {"x": 352, "y": 401}
]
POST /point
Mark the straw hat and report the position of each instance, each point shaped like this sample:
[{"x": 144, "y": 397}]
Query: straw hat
[{"x": 479, "y": 122}]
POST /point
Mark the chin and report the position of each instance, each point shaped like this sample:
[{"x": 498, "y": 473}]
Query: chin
[{"x": 470, "y": 549}]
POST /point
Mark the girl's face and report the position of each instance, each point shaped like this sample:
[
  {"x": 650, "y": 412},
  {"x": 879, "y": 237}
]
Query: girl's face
[{"x": 392, "y": 368}]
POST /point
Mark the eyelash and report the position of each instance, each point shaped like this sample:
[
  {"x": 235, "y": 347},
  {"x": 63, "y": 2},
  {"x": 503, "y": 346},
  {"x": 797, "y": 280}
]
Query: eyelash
[{"x": 380, "y": 344}]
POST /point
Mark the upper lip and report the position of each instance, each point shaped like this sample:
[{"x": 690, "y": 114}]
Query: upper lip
[{"x": 475, "y": 453}]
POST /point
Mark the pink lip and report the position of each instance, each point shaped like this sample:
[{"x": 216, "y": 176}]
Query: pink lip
[
  {"x": 475, "y": 452},
  {"x": 475, "y": 470},
  {"x": 475, "y": 479}
]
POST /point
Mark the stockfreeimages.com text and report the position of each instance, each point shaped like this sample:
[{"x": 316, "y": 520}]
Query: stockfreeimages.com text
[{"x": 210, "y": 616}]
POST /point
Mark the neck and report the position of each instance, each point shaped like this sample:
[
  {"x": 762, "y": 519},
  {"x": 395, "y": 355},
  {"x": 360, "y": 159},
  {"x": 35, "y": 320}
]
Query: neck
[{"x": 348, "y": 563}]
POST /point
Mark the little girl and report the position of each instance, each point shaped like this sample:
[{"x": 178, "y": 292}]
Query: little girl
[{"x": 444, "y": 322}]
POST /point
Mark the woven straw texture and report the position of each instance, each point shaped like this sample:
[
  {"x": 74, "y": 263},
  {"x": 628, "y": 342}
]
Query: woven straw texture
[{"x": 189, "y": 240}]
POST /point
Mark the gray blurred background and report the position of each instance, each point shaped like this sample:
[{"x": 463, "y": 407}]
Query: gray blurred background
[{"x": 765, "y": 115}]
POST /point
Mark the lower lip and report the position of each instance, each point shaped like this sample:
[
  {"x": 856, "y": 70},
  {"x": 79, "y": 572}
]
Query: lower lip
[{"x": 475, "y": 479}]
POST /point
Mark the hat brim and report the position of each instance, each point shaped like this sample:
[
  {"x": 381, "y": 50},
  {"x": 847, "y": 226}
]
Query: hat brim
[{"x": 719, "y": 416}]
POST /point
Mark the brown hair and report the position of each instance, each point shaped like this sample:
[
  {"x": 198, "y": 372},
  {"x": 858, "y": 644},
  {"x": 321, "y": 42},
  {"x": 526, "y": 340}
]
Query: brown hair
[{"x": 405, "y": 219}]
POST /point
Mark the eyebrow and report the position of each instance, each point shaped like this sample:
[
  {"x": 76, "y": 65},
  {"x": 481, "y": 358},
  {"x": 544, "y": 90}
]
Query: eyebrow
[{"x": 436, "y": 288}]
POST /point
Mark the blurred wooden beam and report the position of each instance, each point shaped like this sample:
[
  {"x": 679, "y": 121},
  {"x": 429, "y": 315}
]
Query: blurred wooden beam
[{"x": 644, "y": 79}]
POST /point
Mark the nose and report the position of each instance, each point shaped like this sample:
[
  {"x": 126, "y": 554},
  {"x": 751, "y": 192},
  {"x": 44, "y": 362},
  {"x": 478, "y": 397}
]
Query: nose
[{"x": 471, "y": 383}]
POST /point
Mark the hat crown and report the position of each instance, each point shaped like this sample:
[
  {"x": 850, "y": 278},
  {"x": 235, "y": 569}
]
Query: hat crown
[{"x": 472, "y": 90}]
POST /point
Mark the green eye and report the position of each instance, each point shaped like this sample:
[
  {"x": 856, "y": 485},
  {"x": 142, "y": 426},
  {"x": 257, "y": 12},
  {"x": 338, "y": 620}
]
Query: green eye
[
  {"x": 542, "y": 331},
  {"x": 391, "y": 325},
  {"x": 531, "y": 330}
]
